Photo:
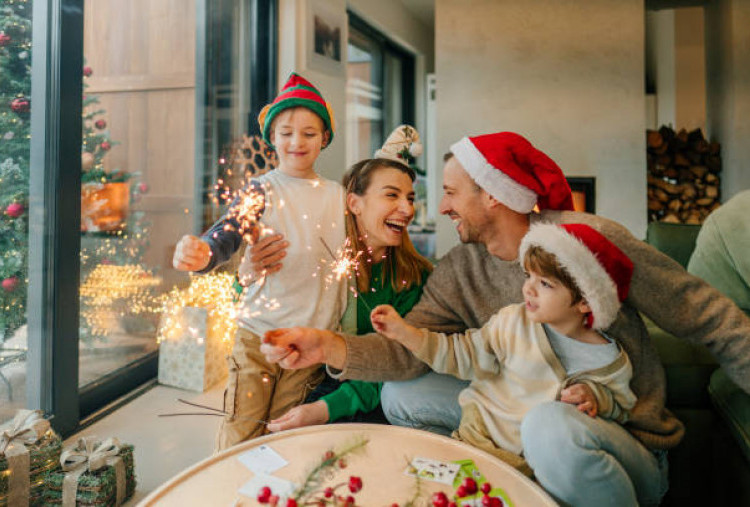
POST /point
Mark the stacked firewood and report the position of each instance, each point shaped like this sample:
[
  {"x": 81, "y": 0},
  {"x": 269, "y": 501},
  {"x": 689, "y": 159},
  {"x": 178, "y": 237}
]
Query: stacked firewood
[{"x": 683, "y": 176}]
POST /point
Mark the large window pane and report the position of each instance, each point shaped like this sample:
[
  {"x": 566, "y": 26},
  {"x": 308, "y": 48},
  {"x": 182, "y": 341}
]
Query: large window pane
[
  {"x": 364, "y": 97},
  {"x": 157, "y": 117},
  {"x": 15, "y": 106}
]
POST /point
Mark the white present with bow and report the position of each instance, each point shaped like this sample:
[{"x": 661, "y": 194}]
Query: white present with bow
[{"x": 191, "y": 355}]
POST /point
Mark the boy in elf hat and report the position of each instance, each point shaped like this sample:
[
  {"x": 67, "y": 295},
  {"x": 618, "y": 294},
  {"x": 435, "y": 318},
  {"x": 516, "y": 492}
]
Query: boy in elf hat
[
  {"x": 551, "y": 347},
  {"x": 295, "y": 201}
]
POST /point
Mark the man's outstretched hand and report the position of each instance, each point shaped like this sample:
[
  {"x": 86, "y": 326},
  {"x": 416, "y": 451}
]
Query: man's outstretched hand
[{"x": 300, "y": 347}]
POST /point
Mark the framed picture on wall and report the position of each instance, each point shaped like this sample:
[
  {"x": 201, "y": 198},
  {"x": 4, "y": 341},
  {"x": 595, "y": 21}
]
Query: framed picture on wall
[{"x": 326, "y": 38}]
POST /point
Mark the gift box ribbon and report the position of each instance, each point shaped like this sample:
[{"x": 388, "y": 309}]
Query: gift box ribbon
[
  {"x": 27, "y": 427},
  {"x": 91, "y": 454}
]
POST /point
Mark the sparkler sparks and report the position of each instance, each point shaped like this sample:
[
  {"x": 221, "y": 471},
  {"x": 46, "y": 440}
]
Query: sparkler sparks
[{"x": 345, "y": 265}]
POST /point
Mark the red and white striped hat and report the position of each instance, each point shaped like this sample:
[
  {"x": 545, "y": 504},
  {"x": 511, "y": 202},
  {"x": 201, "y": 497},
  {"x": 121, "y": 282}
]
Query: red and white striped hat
[{"x": 599, "y": 268}]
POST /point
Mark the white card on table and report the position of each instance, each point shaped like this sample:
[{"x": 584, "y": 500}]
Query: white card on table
[
  {"x": 280, "y": 487},
  {"x": 433, "y": 470},
  {"x": 262, "y": 460}
]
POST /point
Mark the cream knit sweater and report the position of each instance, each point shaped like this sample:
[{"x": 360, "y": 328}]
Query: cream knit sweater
[{"x": 469, "y": 285}]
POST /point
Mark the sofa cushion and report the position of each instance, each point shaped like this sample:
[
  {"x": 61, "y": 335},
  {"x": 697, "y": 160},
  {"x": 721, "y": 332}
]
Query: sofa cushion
[
  {"x": 675, "y": 240},
  {"x": 733, "y": 406},
  {"x": 688, "y": 368}
]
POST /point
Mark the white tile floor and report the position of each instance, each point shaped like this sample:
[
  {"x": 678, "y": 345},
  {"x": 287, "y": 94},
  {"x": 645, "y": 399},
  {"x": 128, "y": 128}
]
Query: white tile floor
[{"x": 164, "y": 446}]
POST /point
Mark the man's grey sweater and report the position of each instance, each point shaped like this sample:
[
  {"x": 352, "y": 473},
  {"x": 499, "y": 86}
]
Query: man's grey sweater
[{"x": 469, "y": 285}]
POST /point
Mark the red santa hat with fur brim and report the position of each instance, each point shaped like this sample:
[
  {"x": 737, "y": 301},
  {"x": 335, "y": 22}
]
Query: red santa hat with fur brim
[
  {"x": 598, "y": 267},
  {"x": 511, "y": 170}
]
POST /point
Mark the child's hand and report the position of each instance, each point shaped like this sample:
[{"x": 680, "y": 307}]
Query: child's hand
[
  {"x": 582, "y": 397},
  {"x": 386, "y": 321},
  {"x": 191, "y": 254}
]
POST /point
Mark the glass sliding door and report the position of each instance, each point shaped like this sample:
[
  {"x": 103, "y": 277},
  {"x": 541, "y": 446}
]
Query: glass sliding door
[{"x": 166, "y": 99}]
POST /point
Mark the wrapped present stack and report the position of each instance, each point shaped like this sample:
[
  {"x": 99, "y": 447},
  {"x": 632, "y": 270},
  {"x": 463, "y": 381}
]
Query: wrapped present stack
[
  {"x": 196, "y": 333},
  {"x": 94, "y": 472},
  {"x": 29, "y": 451}
]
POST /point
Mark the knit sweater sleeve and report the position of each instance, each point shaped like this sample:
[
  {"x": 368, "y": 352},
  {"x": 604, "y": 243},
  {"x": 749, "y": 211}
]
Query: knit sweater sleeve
[
  {"x": 469, "y": 355},
  {"x": 685, "y": 305},
  {"x": 393, "y": 361},
  {"x": 613, "y": 395},
  {"x": 224, "y": 237}
]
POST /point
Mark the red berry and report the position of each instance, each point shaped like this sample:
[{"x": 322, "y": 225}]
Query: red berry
[
  {"x": 486, "y": 488},
  {"x": 349, "y": 501},
  {"x": 496, "y": 502},
  {"x": 439, "y": 499},
  {"x": 291, "y": 502},
  {"x": 394, "y": 504},
  {"x": 328, "y": 492},
  {"x": 355, "y": 484},
  {"x": 342, "y": 463},
  {"x": 452, "y": 504},
  {"x": 328, "y": 455},
  {"x": 470, "y": 485},
  {"x": 264, "y": 494},
  {"x": 461, "y": 491},
  {"x": 273, "y": 500},
  {"x": 486, "y": 501}
]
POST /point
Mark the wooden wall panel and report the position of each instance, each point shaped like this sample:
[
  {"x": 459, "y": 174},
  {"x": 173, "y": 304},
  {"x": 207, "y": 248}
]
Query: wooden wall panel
[{"x": 142, "y": 53}]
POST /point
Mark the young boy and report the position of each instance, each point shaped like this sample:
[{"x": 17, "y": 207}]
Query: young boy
[
  {"x": 309, "y": 210},
  {"x": 549, "y": 348}
]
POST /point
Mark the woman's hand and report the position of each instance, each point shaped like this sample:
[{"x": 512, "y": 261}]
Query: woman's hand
[
  {"x": 191, "y": 254},
  {"x": 265, "y": 258},
  {"x": 308, "y": 414},
  {"x": 300, "y": 347},
  {"x": 582, "y": 397}
]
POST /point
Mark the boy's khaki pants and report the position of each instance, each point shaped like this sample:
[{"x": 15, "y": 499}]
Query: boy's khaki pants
[{"x": 258, "y": 391}]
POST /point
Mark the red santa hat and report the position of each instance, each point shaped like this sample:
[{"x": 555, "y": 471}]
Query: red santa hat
[
  {"x": 600, "y": 270},
  {"x": 515, "y": 173}
]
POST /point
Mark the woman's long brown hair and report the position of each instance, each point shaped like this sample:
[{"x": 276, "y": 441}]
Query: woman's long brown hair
[{"x": 403, "y": 264}]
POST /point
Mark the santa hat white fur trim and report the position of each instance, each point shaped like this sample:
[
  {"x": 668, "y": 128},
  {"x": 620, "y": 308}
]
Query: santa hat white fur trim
[
  {"x": 597, "y": 287},
  {"x": 493, "y": 179}
]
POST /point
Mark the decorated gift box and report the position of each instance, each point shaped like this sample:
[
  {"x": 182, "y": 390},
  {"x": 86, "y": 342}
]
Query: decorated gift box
[
  {"x": 29, "y": 451},
  {"x": 196, "y": 333},
  {"x": 94, "y": 472}
]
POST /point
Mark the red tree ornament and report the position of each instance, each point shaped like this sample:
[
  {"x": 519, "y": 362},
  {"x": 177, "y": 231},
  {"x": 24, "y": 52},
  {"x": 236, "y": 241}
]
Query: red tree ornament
[
  {"x": 10, "y": 284},
  {"x": 20, "y": 105},
  {"x": 4, "y": 39},
  {"x": 87, "y": 71},
  {"x": 100, "y": 124},
  {"x": 14, "y": 210},
  {"x": 105, "y": 146}
]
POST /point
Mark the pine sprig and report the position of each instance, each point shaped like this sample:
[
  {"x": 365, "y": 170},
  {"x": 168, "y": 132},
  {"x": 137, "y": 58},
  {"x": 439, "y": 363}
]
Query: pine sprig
[{"x": 330, "y": 460}]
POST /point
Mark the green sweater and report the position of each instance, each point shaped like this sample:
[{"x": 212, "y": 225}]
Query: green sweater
[
  {"x": 356, "y": 395},
  {"x": 722, "y": 250}
]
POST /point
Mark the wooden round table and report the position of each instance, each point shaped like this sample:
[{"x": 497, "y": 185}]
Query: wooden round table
[{"x": 216, "y": 480}]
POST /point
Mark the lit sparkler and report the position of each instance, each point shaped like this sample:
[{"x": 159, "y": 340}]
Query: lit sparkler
[{"x": 345, "y": 265}]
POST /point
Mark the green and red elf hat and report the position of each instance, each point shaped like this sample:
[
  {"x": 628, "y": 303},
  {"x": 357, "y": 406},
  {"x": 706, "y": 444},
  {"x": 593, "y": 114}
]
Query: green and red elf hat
[{"x": 297, "y": 92}]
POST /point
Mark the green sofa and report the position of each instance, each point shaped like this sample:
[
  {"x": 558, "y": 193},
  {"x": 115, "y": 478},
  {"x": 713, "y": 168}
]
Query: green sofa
[{"x": 712, "y": 464}]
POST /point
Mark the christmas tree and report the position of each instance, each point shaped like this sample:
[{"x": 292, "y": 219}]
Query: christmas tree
[
  {"x": 117, "y": 293},
  {"x": 96, "y": 141},
  {"x": 15, "y": 108}
]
